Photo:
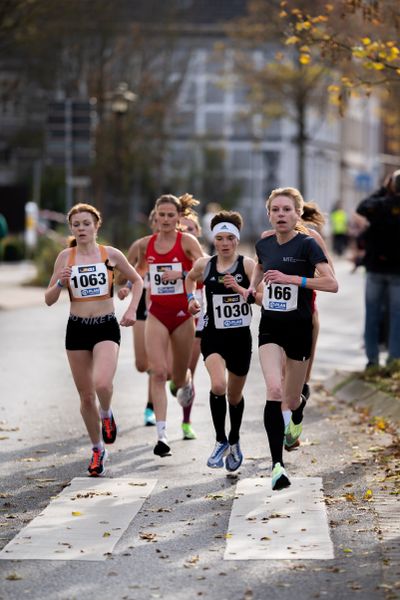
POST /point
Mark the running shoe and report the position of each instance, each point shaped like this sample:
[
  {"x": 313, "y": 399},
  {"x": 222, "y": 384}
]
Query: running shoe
[
  {"x": 185, "y": 394},
  {"x": 96, "y": 465},
  {"x": 162, "y": 449},
  {"x": 188, "y": 431},
  {"x": 305, "y": 392},
  {"x": 292, "y": 434},
  {"x": 280, "y": 479},
  {"x": 109, "y": 429},
  {"x": 216, "y": 460},
  {"x": 234, "y": 458},
  {"x": 172, "y": 388},
  {"x": 149, "y": 417}
]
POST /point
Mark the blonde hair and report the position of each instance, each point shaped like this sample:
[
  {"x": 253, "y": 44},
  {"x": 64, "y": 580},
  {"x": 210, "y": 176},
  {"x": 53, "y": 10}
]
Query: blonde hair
[
  {"x": 291, "y": 193},
  {"x": 79, "y": 208},
  {"x": 193, "y": 216}
]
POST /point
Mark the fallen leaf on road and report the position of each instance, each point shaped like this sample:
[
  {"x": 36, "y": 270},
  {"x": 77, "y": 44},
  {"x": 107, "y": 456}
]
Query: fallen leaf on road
[
  {"x": 13, "y": 577},
  {"x": 76, "y": 513}
]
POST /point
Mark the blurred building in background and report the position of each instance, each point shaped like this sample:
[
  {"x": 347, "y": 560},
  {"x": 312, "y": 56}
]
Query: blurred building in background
[{"x": 190, "y": 128}]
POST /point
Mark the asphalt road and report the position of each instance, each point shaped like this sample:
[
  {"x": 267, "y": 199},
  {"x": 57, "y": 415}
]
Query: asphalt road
[{"x": 43, "y": 447}]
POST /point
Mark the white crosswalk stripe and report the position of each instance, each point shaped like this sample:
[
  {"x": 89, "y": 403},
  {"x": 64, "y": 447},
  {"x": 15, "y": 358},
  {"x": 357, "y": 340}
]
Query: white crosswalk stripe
[
  {"x": 83, "y": 523},
  {"x": 287, "y": 524}
]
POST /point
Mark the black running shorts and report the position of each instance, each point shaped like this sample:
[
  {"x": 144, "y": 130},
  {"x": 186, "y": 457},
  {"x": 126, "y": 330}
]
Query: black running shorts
[{"x": 85, "y": 333}]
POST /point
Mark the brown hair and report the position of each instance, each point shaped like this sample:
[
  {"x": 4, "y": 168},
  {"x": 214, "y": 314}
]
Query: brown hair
[
  {"x": 312, "y": 214},
  {"x": 79, "y": 208},
  {"x": 183, "y": 204},
  {"x": 228, "y": 216}
]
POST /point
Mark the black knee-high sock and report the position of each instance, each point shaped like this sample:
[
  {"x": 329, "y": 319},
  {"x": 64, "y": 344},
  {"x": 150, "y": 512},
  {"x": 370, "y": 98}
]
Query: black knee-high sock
[
  {"x": 218, "y": 413},
  {"x": 235, "y": 414},
  {"x": 275, "y": 428},
  {"x": 297, "y": 414}
]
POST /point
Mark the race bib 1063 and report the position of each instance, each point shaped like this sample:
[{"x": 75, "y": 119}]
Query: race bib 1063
[
  {"x": 280, "y": 297},
  {"x": 88, "y": 281}
]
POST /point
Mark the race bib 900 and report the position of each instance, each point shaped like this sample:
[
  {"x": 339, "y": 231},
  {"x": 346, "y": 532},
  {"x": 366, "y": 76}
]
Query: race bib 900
[
  {"x": 280, "y": 297},
  {"x": 157, "y": 286}
]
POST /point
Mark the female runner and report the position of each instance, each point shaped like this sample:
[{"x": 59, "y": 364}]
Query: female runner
[
  {"x": 287, "y": 262},
  {"x": 93, "y": 336},
  {"x": 226, "y": 338},
  {"x": 169, "y": 255}
]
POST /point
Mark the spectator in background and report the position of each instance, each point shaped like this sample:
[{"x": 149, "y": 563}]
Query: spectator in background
[
  {"x": 381, "y": 212},
  {"x": 339, "y": 228},
  {"x": 211, "y": 209},
  {"x": 3, "y": 232}
]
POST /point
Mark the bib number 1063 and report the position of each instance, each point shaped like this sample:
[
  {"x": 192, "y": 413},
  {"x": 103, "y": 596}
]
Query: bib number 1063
[{"x": 84, "y": 280}]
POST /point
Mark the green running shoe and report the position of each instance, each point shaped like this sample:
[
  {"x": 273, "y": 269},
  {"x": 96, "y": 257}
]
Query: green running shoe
[
  {"x": 188, "y": 432},
  {"x": 172, "y": 388},
  {"x": 292, "y": 434},
  {"x": 280, "y": 479}
]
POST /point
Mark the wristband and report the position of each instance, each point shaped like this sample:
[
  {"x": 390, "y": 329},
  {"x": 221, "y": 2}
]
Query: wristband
[
  {"x": 59, "y": 284},
  {"x": 128, "y": 285},
  {"x": 190, "y": 297},
  {"x": 303, "y": 282}
]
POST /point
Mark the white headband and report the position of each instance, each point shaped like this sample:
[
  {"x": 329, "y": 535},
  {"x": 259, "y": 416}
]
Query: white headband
[{"x": 226, "y": 227}]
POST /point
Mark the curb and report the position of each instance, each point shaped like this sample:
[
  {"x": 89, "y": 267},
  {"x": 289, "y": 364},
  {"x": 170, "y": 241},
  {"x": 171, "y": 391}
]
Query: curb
[{"x": 346, "y": 386}]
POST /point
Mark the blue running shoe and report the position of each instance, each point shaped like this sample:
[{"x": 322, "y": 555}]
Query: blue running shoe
[
  {"x": 149, "y": 417},
  {"x": 216, "y": 460},
  {"x": 234, "y": 458},
  {"x": 280, "y": 479}
]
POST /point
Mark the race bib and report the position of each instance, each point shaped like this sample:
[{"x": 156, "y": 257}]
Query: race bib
[
  {"x": 230, "y": 310},
  {"x": 157, "y": 287},
  {"x": 280, "y": 297},
  {"x": 89, "y": 281}
]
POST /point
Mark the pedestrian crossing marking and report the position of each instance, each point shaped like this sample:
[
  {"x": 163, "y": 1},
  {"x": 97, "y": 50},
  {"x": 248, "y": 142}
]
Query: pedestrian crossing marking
[
  {"x": 84, "y": 522},
  {"x": 273, "y": 525}
]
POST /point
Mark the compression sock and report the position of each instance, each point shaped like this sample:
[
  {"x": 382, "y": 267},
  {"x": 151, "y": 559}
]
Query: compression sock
[
  {"x": 297, "y": 414},
  {"x": 218, "y": 413},
  {"x": 235, "y": 414},
  {"x": 275, "y": 428}
]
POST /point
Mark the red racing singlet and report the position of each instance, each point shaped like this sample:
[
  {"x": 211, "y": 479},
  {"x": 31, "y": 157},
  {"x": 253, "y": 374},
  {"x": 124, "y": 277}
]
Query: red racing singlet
[{"x": 172, "y": 294}]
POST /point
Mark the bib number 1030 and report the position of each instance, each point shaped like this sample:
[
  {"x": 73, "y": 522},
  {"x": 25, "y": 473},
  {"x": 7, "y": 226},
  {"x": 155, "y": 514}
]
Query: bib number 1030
[{"x": 230, "y": 311}]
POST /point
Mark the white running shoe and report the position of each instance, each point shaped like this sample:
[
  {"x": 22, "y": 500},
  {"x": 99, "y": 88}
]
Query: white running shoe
[{"x": 185, "y": 394}]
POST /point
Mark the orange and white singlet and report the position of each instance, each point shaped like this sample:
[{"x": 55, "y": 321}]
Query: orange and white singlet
[{"x": 90, "y": 282}]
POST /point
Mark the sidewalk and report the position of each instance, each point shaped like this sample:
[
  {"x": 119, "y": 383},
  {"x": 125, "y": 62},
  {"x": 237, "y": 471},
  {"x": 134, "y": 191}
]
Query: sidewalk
[{"x": 14, "y": 293}]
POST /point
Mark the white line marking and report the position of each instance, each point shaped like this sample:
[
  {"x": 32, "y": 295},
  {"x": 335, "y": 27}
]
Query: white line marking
[
  {"x": 286, "y": 524},
  {"x": 83, "y": 523}
]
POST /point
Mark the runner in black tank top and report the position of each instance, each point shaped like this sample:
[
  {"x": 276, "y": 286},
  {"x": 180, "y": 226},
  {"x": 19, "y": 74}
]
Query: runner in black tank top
[{"x": 226, "y": 339}]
